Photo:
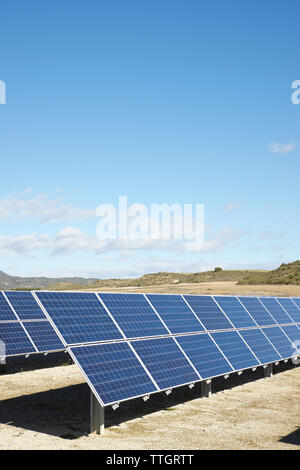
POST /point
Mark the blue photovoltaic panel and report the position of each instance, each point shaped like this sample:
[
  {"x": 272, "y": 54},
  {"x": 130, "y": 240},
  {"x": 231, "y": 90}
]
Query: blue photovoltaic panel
[
  {"x": 204, "y": 355},
  {"x": 43, "y": 336},
  {"x": 257, "y": 311},
  {"x": 176, "y": 314},
  {"x": 6, "y": 312},
  {"x": 15, "y": 339},
  {"x": 280, "y": 341},
  {"x": 79, "y": 317},
  {"x": 276, "y": 310},
  {"x": 114, "y": 371},
  {"x": 293, "y": 333},
  {"x": 236, "y": 351},
  {"x": 208, "y": 312},
  {"x": 165, "y": 362},
  {"x": 134, "y": 315},
  {"x": 25, "y": 305},
  {"x": 297, "y": 302},
  {"x": 235, "y": 311},
  {"x": 261, "y": 347},
  {"x": 290, "y": 308}
]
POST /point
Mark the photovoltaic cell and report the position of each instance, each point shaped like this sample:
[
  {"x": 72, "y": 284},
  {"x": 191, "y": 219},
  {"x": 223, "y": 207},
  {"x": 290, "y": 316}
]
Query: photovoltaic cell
[
  {"x": 204, "y": 355},
  {"x": 257, "y": 311},
  {"x": 6, "y": 313},
  {"x": 235, "y": 311},
  {"x": 165, "y": 362},
  {"x": 208, "y": 312},
  {"x": 276, "y": 310},
  {"x": 176, "y": 314},
  {"x": 79, "y": 317},
  {"x": 114, "y": 371},
  {"x": 14, "y": 339},
  {"x": 134, "y": 315},
  {"x": 290, "y": 308},
  {"x": 236, "y": 351},
  {"x": 43, "y": 336},
  {"x": 25, "y": 305},
  {"x": 280, "y": 341},
  {"x": 297, "y": 302},
  {"x": 261, "y": 347},
  {"x": 293, "y": 333}
]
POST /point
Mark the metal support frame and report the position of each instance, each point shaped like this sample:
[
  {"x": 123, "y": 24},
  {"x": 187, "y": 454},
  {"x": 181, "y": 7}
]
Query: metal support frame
[
  {"x": 268, "y": 370},
  {"x": 206, "y": 388},
  {"x": 97, "y": 416}
]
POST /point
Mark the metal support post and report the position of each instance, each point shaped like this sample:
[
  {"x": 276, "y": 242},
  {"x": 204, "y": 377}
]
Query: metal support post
[
  {"x": 268, "y": 370},
  {"x": 97, "y": 415},
  {"x": 206, "y": 388}
]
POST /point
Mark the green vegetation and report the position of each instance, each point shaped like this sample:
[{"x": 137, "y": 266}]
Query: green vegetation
[{"x": 285, "y": 274}]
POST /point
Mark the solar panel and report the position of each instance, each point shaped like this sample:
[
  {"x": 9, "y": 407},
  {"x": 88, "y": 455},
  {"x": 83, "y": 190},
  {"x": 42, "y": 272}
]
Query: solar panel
[
  {"x": 260, "y": 345},
  {"x": 236, "y": 351},
  {"x": 79, "y": 317},
  {"x": 257, "y": 311},
  {"x": 235, "y": 311},
  {"x": 113, "y": 371},
  {"x": 205, "y": 355},
  {"x": 15, "y": 339},
  {"x": 280, "y": 341},
  {"x": 293, "y": 332},
  {"x": 176, "y": 314},
  {"x": 134, "y": 315},
  {"x": 276, "y": 310},
  {"x": 43, "y": 336},
  {"x": 165, "y": 362},
  {"x": 25, "y": 305},
  {"x": 290, "y": 307},
  {"x": 296, "y": 300},
  {"x": 208, "y": 312},
  {"x": 6, "y": 313}
]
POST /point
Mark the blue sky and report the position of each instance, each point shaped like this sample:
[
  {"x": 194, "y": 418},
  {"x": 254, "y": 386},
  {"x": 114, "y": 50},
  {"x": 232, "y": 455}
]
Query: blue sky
[{"x": 164, "y": 101}]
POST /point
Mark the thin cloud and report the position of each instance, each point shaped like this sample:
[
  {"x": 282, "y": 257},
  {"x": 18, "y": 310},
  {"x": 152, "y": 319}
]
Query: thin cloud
[
  {"x": 231, "y": 206},
  {"x": 39, "y": 207},
  {"x": 283, "y": 149}
]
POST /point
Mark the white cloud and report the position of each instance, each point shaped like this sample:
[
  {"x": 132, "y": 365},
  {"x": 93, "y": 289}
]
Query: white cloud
[
  {"x": 39, "y": 207},
  {"x": 23, "y": 244},
  {"x": 276, "y": 147}
]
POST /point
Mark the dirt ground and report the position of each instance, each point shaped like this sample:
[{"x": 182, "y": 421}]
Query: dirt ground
[
  {"x": 44, "y": 404},
  {"x": 48, "y": 408},
  {"x": 218, "y": 288}
]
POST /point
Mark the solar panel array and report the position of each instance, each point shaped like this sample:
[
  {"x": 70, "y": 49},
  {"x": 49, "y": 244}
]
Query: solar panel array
[
  {"x": 24, "y": 327},
  {"x": 130, "y": 345}
]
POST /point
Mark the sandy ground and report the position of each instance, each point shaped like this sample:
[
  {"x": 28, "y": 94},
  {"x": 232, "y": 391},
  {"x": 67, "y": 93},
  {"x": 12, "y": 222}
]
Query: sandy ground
[
  {"x": 45, "y": 405},
  {"x": 48, "y": 408},
  {"x": 211, "y": 288}
]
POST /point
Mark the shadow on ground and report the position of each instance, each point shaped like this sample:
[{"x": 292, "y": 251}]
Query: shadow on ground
[
  {"x": 65, "y": 412},
  {"x": 292, "y": 438},
  {"x": 34, "y": 362}
]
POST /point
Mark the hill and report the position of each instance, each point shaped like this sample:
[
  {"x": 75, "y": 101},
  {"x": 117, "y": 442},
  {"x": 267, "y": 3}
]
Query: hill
[
  {"x": 17, "y": 282},
  {"x": 285, "y": 274}
]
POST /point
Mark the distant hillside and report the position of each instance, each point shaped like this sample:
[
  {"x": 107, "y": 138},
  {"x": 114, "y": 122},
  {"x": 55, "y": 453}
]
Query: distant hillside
[
  {"x": 162, "y": 278},
  {"x": 285, "y": 274},
  {"x": 16, "y": 282}
]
